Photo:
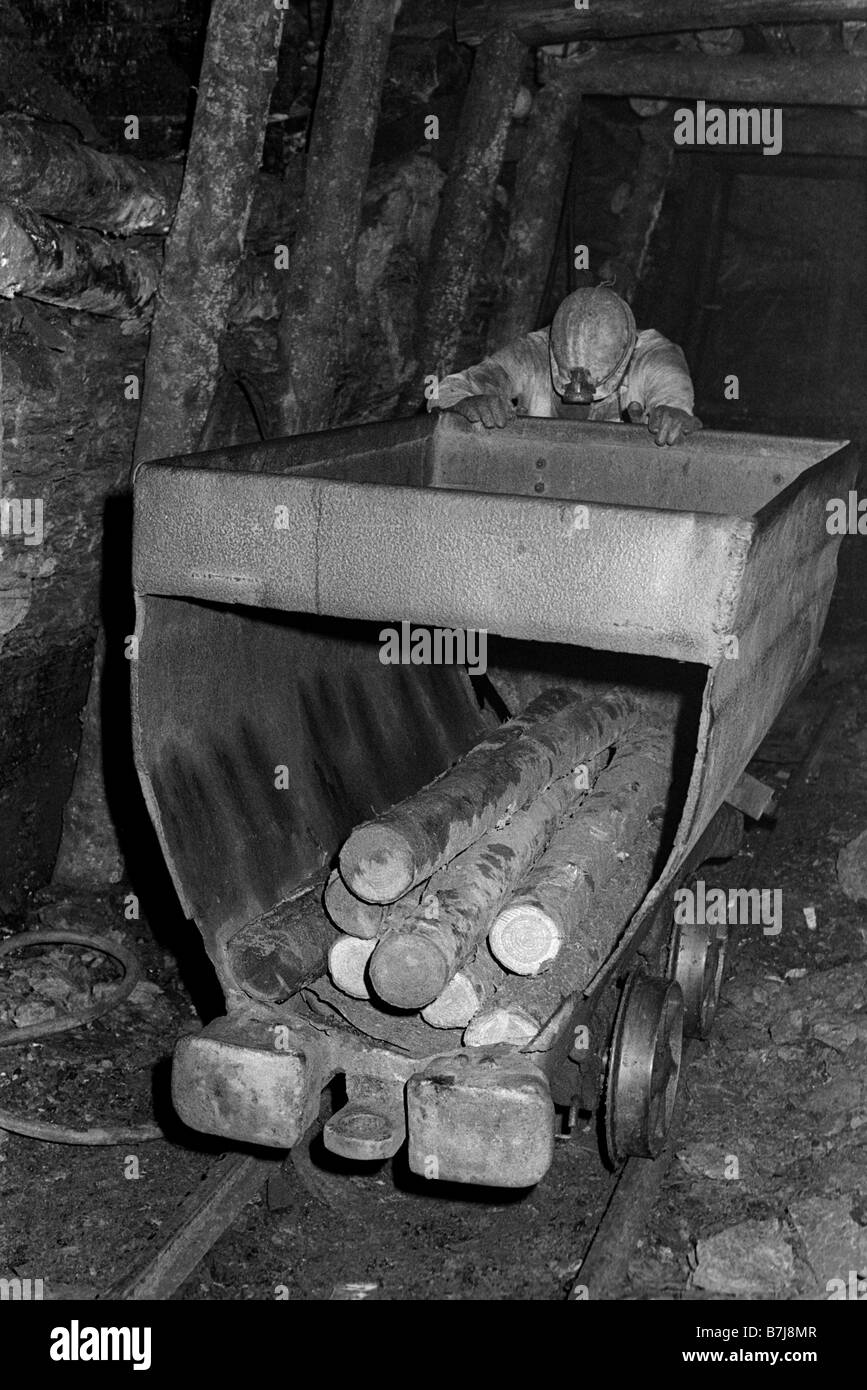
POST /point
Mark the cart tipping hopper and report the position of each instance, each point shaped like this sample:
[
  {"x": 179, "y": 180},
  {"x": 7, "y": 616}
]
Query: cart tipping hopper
[{"x": 691, "y": 584}]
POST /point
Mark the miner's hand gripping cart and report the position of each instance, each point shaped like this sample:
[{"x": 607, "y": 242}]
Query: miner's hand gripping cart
[{"x": 455, "y": 896}]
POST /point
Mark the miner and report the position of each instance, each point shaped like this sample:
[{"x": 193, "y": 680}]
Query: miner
[{"x": 591, "y": 364}]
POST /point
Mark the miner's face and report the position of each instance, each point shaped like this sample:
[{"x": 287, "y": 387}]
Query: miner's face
[{"x": 573, "y": 382}]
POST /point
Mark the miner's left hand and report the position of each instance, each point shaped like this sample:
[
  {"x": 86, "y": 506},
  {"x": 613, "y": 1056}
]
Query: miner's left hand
[{"x": 668, "y": 424}]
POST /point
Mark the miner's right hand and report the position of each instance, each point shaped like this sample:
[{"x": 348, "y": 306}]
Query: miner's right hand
[{"x": 490, "y": 411}]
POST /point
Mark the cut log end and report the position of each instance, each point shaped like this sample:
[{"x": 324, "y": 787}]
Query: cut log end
[
  {"x": 524, "y": 939},
  {"x": 512, "y": 1026},
  {"x": 408, "y": 971},
  {"x": 347, "y": 965},
  {"x": 377, "y": 864},
  {"x": 458, "y": 1003},
  {"x": 349, "y": 913}
]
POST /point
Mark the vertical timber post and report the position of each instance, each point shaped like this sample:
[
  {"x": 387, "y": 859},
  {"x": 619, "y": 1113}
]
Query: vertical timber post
[
  {"x": 320, "y": 275},
  {"x": 641, "y": 214},
  {"x": 462, "y": 225},
  {"x": 205, "y": 245},
  {"x": 540, "y": 187}
]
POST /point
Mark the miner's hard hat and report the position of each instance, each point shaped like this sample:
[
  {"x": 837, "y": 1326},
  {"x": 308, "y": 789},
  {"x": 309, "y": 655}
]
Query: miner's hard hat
[{"x": 592, "y": 339}]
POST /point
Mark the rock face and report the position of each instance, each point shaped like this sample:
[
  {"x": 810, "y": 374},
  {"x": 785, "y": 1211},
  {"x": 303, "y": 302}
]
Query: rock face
[
  {"x": 400, "y": 208},
  {"x": 834, "y": 1243},
  {"x": 750, "y": 1258},
  {"x": 66, "y": 445},
  {"x": 156, "y": 43},
  {"x": 852, "y": 868}
]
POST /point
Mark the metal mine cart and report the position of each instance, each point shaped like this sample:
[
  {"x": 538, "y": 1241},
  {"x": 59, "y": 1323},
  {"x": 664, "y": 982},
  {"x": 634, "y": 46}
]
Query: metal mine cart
[{"x": 267, "y": 727}]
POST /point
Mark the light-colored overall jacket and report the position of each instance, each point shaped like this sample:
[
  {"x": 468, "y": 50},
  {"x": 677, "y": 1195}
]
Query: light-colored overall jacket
[{"x": 657, "y": 375}]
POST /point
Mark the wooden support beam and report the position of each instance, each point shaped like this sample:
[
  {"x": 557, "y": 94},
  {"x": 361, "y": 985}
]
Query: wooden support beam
[
  {"x": 774, "y": 80},
  {"x": 560, "y": 21},
  {"x": 347, "y": 965},
  {"x": 641, "y": 214},
  {"x": 733, "y": 162},
  {"x": 462, "y": 225},
  {"x": 809, "y": 131},
  {"x": 349, "y": 913},
  {"x": 424, "y": 19},
  {"x": 416, "y": 958},
  {"x": 523, "y": 1004},
  {"x": 557, "y": 895},
  {"x": 384, "y": 858},
  {"x": 320, "y": 280},
  {"x": 695, "y": 337},
  {"x": 239, "y": 68},
  {"x": 540, "y": 185},
  {"x": 466, "y": 993},
  {"x": 276, "y": 954},
  {"x": 45, "y": 167},
  {"x": 672, "y": 298},
  {"x": 73, "y": 268}
]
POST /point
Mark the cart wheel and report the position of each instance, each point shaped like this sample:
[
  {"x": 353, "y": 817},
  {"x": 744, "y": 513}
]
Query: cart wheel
[
  {"x": 644, "y": 1067},
  {"x": 697, "y": 963}
]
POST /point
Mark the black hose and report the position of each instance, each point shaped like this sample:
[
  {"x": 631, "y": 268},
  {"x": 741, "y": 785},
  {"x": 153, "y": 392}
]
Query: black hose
[{"x": 43, "y": 1129}]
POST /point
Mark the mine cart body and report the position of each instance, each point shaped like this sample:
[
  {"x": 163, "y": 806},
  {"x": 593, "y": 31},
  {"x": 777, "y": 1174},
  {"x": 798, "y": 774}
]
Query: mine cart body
[{"x": 266, "y": 725}]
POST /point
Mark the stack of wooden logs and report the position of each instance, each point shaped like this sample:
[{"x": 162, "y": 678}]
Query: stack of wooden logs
[{"x": 454, "y": 898}]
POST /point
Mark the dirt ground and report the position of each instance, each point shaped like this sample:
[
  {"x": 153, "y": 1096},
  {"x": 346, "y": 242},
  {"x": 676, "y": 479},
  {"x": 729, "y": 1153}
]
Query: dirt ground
[{"x": 767, "y": 1196}]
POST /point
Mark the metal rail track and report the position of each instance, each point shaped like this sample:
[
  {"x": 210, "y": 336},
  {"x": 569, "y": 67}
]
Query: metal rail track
[{"x": 233, "y": 1181}]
